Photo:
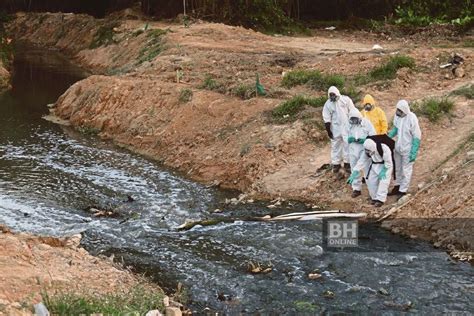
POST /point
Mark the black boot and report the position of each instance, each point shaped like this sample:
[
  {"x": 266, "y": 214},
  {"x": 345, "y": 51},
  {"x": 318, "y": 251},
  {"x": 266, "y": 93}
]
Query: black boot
[
  {"x": 335, "y": 168},
  {"x": 400, "y": 195},
  {"x": 347, "y": 167},
  {"x": 395, "y": 190},
  {"x": 355, "y": 193},
  {"x": 378, "y": 203}
]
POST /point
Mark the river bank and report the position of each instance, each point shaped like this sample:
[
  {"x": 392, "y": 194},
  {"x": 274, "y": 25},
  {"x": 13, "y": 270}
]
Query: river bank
[{"x": 172, "y": 93}]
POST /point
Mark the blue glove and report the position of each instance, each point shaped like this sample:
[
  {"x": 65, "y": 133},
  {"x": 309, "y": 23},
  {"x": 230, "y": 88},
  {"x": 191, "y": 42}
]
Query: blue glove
[
  {"x": 351, "y": 139},
  {"x": 354, "y": 175},
  {"x": 383, "y": 173},
  {"x": 415, "y": 145},
  {"x": 393, "y": 132},
  {"x": 361, "y": 140}
]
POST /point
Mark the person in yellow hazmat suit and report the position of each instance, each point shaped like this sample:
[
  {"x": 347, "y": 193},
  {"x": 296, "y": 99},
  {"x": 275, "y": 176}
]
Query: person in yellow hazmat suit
[{"x": 375, "y": 115}]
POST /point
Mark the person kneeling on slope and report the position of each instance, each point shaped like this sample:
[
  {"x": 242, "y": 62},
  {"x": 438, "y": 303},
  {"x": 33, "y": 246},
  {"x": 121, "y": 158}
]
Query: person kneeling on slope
[
  {"x": 379, "y": 172},
  {"x": 407, "y": 130},
  {"x": 359, "y": 129}
]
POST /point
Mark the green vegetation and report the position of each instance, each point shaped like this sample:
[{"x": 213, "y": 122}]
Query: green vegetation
[
  {"x": 104, "y": 35},
  {"x": 244, "y": 91},
  {"x": 306, "y": 307},
  {"x": 154, "y": 45},
  {"x": 386, "y": 71},
  {"x": 88, "y": 130},
  {"x": 209, "y": 83},
  {"x": 466, "y": 91},
  {"x": 136, "y": 300},
  {"x": 313, "y": 78},
  {"x": 290, "y": 108},
  {"x": 418, "y": 13},
  {"x": 185, "y": 95},
  {"x": 6, "y": 49},
  {"x": 433, "y": 108}
]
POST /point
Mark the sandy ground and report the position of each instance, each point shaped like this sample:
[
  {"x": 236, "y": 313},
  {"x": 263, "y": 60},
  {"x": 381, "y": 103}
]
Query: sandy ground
[
  {"x": 220, "y": 139},
  {"x": 30, "y": 265}
]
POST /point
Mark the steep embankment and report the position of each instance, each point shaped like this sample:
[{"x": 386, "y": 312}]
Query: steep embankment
[
  {"x": 4, "y": 78},
  {"x": 184, "y": 96}
]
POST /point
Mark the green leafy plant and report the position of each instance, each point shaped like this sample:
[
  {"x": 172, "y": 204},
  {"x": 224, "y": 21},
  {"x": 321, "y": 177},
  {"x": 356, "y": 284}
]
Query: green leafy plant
[
  {"x": 433, "y": 108},
  {"x": 244, "y": 91},
  {"x": 153, "y": 46},
  {"x": 209, "y": 83},
  {"x": 313, "y": 78},
  {"x": 386, "y": 71},
  {"x": 466, "y": 91}
]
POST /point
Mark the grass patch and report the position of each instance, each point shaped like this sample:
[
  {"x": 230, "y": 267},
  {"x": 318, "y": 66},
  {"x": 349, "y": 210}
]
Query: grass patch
[
  {"x": 104, "y": 35},
  {"x": 136, "y": 300},
  {"x": 433, "y": 108},
  {"x": 387, "y": 71},
  {"x": 315, "y": 79},
  {"x": 185, "y": 95},
  {"x": 87, "y": 130},
  {"x": 244, "y": 91},
  {"x": 290, "y": 108},
  {"x": 469, "y": 43},
  {"x": 153, "y": 47},
  {"x": 466, "y": 91},
  {"x": 209, "y": 83}
]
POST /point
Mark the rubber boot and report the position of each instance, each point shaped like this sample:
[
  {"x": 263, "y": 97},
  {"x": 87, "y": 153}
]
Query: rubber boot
[
  {"x": 356, "y": 193},
  {"x": 400, "y": 195},
  {"x": 395, "y": 190},
  {"x": 335, "y": 168},
  {"x": 378, "y": 203}
]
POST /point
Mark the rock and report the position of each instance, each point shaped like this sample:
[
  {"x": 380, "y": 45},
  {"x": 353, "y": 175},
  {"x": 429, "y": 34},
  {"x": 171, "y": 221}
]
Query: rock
[
  {"x": 470, "y": 155},
  {"x": 154, "y": 312},
  {"x": 173, "y": 311},
  {"x": 459, "y": 72},
  {"x": 396, "y": 230},
  {"x": 377, "y": 47},
  {"x": 266, "y": 217},
  {"x": 383, "y": 291},
  {"x": 41, "y": 310},
  {"x": 166, "y": 301},
  {"x": 329, "y": 294},
  {"x": 74, "y": 241},
  {"x": 447, "y": 170},
  {"x": 413, "y": 236},
  {"x": 314, "y": 276},
  {"x": 217, "y": 211},
  {"x": 421, "y": 185}
]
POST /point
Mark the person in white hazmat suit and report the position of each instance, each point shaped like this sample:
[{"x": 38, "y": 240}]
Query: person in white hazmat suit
[
  {"x": 407, "y": 130},
  {"x": 336, "y": 119},
  {"x": 379, "y": 172},
  {"x": 359, "y": 129}
]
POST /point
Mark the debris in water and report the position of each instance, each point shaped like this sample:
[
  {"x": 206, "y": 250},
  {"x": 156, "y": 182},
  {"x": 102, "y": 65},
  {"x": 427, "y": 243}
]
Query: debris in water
[
  {"x": 329, "y": 294},
  {"x": 383, "y": 291},
  {"x": 314, "y": 276},
  {"x": 259, "y": 268}
]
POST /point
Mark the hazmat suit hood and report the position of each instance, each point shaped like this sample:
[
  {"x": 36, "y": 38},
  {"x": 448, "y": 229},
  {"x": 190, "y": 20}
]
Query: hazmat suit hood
[
  {"x": 368, "y": 99},
  {"x": 334, "y": 90},
  {"x": 370, "y": 145},
  {"x": 355, "y": 113},
  {"x": 403, "y": 106}
]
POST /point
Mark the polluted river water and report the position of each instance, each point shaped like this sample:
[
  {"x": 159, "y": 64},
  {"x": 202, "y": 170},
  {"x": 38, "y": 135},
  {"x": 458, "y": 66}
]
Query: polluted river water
[{"x": 50, "y": 175}]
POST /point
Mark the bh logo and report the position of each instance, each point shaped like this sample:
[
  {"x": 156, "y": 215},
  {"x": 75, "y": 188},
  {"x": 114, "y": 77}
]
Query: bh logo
[{"x": 342, "y": 233}]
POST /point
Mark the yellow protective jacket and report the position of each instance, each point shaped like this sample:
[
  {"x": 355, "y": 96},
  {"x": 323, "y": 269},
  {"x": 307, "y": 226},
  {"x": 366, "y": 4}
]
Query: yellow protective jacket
[
  {"x": 378, "y": 119},
  {"x": 376, "y": 116}
]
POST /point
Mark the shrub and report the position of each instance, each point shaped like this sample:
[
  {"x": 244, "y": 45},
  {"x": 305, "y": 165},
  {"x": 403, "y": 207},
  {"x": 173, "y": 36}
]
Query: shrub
[
  {"x": 210, "y": 83},
  {"x": 185, "y": 95},
  {"x": 244, "y": 91},
  {"x": 433, "y": 108},
  {"x": 104, "y": 35},
  {"x": 154, "y": 45}
]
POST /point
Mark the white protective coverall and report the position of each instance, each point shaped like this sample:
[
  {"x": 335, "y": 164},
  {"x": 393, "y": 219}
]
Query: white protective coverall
[
  {"x": 337, "y": 113},
  {"x": 378, "y": 189},
  {"x": 408, "y": 129},
  {"x": 356, "y": 149}
]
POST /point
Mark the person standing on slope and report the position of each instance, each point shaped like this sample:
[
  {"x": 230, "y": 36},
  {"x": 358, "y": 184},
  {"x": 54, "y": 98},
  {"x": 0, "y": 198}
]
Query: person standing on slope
[
  {"x": 379, "y": 173},
  {"x": 336, "y": 119},
  {"x": 359, "y": 129},
  {"x": 375, "y": 115},
  {"x": 407, "y": 130}
]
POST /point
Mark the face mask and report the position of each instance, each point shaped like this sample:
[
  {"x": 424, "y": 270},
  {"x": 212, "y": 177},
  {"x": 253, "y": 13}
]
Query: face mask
[
  {"x": 368, "y": 107},
  {"x": 355, "y": 121},
  {"x": 400, "y": 113},
  {"x": 332, "y": 97}
]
